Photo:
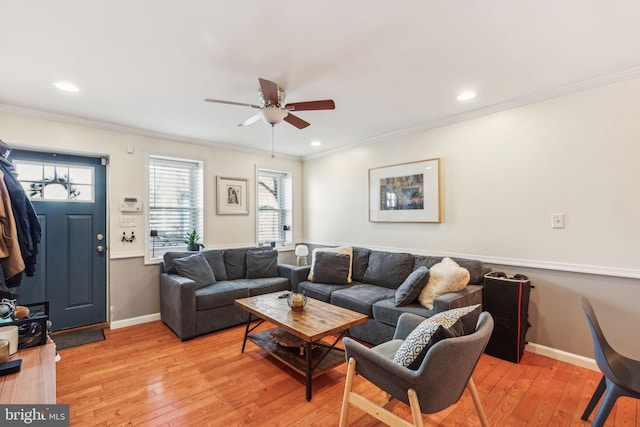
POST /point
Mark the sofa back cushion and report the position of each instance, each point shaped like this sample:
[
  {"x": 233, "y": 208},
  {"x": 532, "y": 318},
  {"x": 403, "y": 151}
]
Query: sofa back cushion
[
  {"x": 262, "y": 264},
  {"x": 388, "y": 269},
  {"x": 359, "y": 262},
  {"x": 216, "y": 261},
  {"x": 235, "y": 260}
]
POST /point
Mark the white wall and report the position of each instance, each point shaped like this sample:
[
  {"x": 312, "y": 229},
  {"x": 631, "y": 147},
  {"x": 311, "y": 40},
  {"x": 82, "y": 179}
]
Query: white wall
[
  {"x": 502, "y": 177},
  {"x": 127, "y": 177}
]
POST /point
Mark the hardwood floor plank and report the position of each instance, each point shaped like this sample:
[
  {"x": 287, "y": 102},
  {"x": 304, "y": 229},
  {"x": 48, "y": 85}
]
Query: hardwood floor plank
[{"x": 145, "y": 376}]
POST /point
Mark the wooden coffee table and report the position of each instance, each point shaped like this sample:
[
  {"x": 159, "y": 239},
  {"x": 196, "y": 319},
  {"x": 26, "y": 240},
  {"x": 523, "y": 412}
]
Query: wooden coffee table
[{"x": 317, "y": 320}]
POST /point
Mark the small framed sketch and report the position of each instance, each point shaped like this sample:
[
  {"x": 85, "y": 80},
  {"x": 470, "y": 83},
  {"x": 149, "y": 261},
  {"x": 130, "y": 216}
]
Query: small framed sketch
[
  {"x": 233, "y": 196},
  {"x": 407, "y": 192}
]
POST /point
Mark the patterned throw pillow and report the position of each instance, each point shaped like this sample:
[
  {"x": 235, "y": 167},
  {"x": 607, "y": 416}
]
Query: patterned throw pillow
[
  {"x": 445, "y": 276},
  {"x": 451, "y": 323}
]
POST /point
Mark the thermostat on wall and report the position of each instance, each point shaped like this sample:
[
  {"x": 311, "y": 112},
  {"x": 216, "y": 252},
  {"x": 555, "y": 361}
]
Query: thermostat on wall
[{"x": 130, "y": 204}]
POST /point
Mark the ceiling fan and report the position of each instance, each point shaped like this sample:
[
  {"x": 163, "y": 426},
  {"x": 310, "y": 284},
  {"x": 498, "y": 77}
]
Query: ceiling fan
[{"x": 273, "y": 109}]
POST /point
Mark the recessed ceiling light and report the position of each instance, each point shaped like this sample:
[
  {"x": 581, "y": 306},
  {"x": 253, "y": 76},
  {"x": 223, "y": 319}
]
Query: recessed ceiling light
[
  {"x": 316, "y": 143},
  {"x": 66, "y": 86},
  {"x": 467, "y": 95}
]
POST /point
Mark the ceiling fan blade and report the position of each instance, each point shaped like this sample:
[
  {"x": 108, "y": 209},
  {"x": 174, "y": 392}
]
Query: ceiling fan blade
[
  {"x": 242, "y": 104},
  {"x": 326, "y": 104},
  {"x": 296, "y": 121},
  {"x": 251, "y": 120},
  {"x": 269, "y": 91}
]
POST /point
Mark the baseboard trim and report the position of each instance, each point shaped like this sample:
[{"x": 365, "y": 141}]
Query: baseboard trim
[
  {"x": 117, "y": 324},
  {"x": 563, "y": 356}
]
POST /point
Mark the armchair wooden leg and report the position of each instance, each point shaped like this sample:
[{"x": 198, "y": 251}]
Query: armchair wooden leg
[
  {"x": 477, "y": 402},
  {"x": 415, "y": 408},
  {"x": 344, "y": 412}
]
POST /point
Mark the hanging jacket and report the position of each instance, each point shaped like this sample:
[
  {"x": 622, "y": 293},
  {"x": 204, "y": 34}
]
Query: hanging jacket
[
  {"x": 27, "y": 224},
  {"x": 12, "y": 262}
]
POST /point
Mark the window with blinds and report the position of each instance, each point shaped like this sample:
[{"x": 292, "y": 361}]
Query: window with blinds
[
  {"x": 274, "y": 208},
  {"x": 175, "y": 203}
]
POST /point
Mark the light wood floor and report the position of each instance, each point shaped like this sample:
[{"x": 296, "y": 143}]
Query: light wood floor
[{"x": 144, "y": 376}]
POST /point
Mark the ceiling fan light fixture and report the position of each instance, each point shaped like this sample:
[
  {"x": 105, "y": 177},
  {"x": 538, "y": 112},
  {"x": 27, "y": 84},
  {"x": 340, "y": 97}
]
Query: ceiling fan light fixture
[{"x": 273, "y": 115}]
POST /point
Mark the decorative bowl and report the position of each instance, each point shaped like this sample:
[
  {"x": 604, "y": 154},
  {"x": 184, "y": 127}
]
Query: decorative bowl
[{"x": 296, "y": 300}]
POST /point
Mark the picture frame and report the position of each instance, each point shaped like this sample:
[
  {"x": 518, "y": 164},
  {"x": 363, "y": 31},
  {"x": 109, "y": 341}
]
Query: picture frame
[
  {"x": 405, "y": 192},
  {"x": 232, "y": 196}
]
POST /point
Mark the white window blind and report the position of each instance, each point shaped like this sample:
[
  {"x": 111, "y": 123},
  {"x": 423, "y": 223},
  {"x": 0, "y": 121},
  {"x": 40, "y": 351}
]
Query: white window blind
[
  {"x": 175, "y": 202},
  {"x": 274, "y": 208}
]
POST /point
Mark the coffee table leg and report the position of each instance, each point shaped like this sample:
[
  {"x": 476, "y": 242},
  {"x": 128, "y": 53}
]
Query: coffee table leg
[
  {"x": 307, "y": 354},
  {"x": 246, "y": 332}
]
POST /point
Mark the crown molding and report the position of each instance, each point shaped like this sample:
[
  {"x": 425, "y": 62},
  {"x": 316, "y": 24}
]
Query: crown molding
[
  {"x": 490, "y": 109},
  {"x": 112, "y": 127}
]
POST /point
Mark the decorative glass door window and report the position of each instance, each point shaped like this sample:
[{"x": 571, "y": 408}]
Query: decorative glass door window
[{"x": 50, "y": 181}]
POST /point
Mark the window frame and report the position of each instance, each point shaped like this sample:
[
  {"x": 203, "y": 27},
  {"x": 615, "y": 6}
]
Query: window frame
[
  {"x": 286, "y": 243},
  {"x": 151, "y": 247}
]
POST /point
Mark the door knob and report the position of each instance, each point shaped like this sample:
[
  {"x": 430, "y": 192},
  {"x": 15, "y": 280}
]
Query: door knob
[{"x": 100, "y": 248}]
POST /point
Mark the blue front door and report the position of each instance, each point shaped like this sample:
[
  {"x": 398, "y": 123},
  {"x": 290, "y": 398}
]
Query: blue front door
[{"x": 69, "y": 195}]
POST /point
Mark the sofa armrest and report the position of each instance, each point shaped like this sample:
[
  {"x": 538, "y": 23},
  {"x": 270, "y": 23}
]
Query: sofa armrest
[
  {"x": 470, "y": 295},
  {"x": 284, "y": 270},
  {"x": 299, "y": 274},
  {"x": 178, "y": 304}
]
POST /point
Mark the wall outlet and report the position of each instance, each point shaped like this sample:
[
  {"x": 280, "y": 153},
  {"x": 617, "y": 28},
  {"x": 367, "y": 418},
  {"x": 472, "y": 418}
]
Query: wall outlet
[{"x": 557, "y": 220}]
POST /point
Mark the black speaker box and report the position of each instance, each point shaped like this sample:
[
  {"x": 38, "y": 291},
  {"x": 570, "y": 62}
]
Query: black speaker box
[{"x": 507, "y": 299}]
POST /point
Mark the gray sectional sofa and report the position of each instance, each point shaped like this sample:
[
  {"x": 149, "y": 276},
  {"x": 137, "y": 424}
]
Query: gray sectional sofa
[
  {"x": 376, "y": 276},
  {"x": 195, "y": 307}
]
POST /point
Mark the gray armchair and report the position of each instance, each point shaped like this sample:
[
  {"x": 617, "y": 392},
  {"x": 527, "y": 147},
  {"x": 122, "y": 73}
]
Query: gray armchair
[{"x": 437, "y": 384}]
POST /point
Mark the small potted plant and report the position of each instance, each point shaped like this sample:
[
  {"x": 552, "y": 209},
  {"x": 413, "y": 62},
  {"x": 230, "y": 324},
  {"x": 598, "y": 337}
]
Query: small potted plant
[{"x": 192, "y": 241}]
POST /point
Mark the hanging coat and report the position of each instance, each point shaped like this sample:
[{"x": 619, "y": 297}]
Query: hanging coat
[{"x": 27, "y": 224}]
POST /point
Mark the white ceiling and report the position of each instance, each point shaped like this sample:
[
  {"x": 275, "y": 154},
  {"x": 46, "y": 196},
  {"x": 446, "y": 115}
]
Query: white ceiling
[{"x": 392, "y": 67}]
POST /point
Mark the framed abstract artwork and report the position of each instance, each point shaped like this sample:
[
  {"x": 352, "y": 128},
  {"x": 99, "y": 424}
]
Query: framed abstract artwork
[
  {"x": 406, "y": 192},
  {"x": 233, "y": 196}
]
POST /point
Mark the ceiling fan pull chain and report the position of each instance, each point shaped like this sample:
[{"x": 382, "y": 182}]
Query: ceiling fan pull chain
[{"x": 273, "y": 154}]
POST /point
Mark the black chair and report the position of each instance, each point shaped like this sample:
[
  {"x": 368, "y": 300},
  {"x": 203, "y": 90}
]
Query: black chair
[
  {"x": 620, "y": 375},
  {"x": 437, "y": 384}
]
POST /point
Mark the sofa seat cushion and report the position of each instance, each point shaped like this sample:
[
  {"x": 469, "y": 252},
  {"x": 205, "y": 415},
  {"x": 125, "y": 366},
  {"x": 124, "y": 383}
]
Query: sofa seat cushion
[
  {"x": 388, "y": 269},
  {"x": 387, "y": 312},
  {"x": 319, "y": 291},
  {"x": 361, "y": 297},
  {"x": 267, "y": 285},
  {"x": 221, "y": 294}
]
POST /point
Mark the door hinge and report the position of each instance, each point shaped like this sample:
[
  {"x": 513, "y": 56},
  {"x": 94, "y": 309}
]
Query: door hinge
[{"x": 104, "y": 161}]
